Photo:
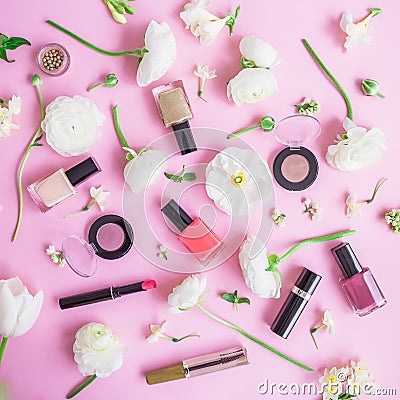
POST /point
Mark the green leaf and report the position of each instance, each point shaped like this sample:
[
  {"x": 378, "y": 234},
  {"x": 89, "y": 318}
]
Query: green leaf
[
  {"x": 3, "y": 55},
  {"x": 235, "y": 294},
  {"x": 15, "y": 42},
  {"x": 4, "y": 38},
  {"x": 37, "y": 144},
  {"x": 189, "y": 176},
  {"x": 244, "y": 300},
  {"x": 38, "y": 138},
  {"x": 228, "y": 297},
  {"x": 172, "y": 177}
]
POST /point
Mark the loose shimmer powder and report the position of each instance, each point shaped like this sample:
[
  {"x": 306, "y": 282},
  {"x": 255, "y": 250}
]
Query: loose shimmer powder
[
  {"x": 295, "y": 168},
  {"x": 110, "y": 237},
  {"x": 174, "y": 107}
]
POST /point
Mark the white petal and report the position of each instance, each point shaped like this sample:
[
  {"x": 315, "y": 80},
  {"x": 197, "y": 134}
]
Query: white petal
[
  {"x": 29, "y": 315},
  {"x": 254, "y": 49},
  {"x": 161, "y": 44}
]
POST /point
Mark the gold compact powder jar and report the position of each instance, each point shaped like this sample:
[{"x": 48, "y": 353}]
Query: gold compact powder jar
[{"x": 53, "y": 59}]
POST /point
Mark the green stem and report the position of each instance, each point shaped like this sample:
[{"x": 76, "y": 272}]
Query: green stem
[
  {"x": 255, "y": 340},
  {"x": 314, "y": 330},
  {"x": 2, "y": 347},
  {"x": 118, "y": 128},
  {"x": 83, "y": 386},
  {"x": 380, "y": 95},
  {"x": 91, "y": 204},
  {"x": 200, "y": 92},
  {"x": 377, "y": 187},
  {"x": 89, "y": 89},
  {"x": 176, "y": 340},
  {"x": 136, "y": 53},
  {"x": 22, "y": 165},
  {"x": 332, "y": 78},
  {"x": 243, "y": 131},
  {"x": 317, "y": 239}
]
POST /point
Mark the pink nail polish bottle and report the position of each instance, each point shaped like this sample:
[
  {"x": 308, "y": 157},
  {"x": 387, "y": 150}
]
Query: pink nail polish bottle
[
  {"x": 60, "y": 185},
  {"x": 194, "y": 234},
  {"x": 358, "y": 283}
]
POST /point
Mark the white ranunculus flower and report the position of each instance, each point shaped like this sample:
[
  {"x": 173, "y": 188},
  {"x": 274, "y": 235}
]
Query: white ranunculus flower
[
  {"x": 251, "y": 85},
  {"x": 238, "y": 180},
  {"x": 261, "y": 53},
  {"x": 97, "y": 350},
  {"x": 359, "y": 150},
  {"x": 18, "y": 308},
  {"x": 187, "y": 294},
  {"x": 160, "y": 43},
  {"x": 265, "y": 284},
  {"x": 72, "y": 125},
  {"x": 144, "y": 169}
]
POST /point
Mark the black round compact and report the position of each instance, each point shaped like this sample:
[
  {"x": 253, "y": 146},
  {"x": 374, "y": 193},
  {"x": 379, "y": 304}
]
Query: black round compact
[
  {"x": 296, "y": 168},
  {"x": 110, "y": 237}
]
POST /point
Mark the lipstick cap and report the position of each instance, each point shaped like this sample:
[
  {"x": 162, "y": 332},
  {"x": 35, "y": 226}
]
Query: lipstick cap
[
  {"x": 184, "y": 138},
  {"x": 346, "y": 259},
  {"x": 295, "y": 303},
  {"x": 177, "y": 215},
  {"x": 82, "y": 171},
  {"x": 307, "y": 281}
]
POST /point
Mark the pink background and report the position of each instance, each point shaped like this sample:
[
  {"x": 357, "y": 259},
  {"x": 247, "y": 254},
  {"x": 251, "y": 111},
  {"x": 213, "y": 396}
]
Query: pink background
[{"x": 39, "y": 365}]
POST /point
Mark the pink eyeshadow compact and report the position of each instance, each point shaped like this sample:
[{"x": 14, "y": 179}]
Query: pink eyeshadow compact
[
  {"x": 295, "y": 167},
  {"x": 110, "y": 237}
]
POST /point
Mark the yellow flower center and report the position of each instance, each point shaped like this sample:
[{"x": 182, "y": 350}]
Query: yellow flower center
[
  {"x": 332, "y": 379},
  {"x": 238, "y": 180}
]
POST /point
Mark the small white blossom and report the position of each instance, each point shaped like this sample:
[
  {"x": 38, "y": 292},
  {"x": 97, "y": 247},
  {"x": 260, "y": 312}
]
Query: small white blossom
[
  {"x": 203, "y": 72},
  {"x": 99, "y": 196},
  {"x": 278, "y": 217},
  {"x": 353, "y": 208},
  {"x": 6, "y": 113},
  {"x": 314, "y": 209},
  {"x": 329, "y": 322},
  {"x": 56, "y": 256},
  {"x": 156, "y": 332},
  {"x": 358, "y": 33}
]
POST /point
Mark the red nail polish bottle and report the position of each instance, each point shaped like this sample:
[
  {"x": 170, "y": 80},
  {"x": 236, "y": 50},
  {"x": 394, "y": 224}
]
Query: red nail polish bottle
[{"x": 194, "y": 234}]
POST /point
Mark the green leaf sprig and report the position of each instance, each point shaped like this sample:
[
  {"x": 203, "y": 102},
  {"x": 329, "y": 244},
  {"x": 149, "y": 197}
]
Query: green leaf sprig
[
  {"x": 233, "y": 298},
  {"x": 184, "y": 176},
  {"x": 232, "y": 20},
  {"x": 36, "y": 81},
  {"x": 11, "y": 43}
]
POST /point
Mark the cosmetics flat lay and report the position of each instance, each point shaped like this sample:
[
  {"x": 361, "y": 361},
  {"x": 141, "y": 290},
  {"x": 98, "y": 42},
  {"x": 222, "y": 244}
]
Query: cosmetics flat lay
[{"x": 119, "y": 195}]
